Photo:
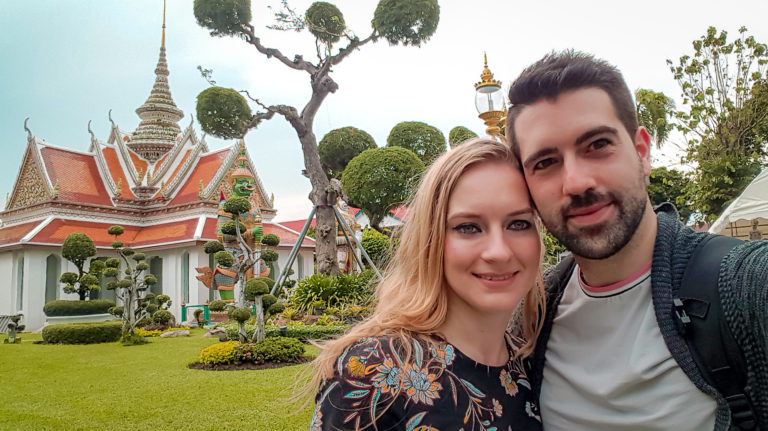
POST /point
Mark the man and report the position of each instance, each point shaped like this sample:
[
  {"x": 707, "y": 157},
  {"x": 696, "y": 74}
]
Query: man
[{"x": 609, "y": 356}]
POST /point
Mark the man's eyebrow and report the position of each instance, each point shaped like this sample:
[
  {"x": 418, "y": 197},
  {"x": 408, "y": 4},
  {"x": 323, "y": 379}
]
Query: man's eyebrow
[{"x": 589, "y": 134}]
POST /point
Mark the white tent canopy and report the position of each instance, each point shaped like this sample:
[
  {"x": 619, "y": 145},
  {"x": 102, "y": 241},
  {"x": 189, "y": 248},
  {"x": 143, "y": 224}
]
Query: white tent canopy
[{"x": 738, "y": 218}]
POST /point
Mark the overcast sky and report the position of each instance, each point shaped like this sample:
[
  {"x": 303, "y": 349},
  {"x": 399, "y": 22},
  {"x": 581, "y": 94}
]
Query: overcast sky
[{"x": 65, "y": 62}]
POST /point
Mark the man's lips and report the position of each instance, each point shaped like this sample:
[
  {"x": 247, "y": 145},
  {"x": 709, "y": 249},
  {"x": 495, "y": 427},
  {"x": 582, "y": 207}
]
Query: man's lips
[
  {"x": 590, "y": 215},
  {"x": 583, "y": 211}
]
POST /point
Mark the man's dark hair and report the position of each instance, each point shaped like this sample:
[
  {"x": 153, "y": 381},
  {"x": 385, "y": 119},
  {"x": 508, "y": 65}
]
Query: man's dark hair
[{"x": 560, "y": 72}]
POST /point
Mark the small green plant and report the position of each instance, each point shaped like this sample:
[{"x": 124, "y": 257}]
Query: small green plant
[
  {"x": 217, "y": 305},
  {"x": 219, "y": 353},
  {"x": 82, "y": 333},
  {"x": 281, "y": 349},
  {"x": 162, "y": 316},
  {"x": 13, "y": 328}
]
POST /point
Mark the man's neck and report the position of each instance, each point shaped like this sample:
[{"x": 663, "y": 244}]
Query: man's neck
[{"x": 635, "y": 255}]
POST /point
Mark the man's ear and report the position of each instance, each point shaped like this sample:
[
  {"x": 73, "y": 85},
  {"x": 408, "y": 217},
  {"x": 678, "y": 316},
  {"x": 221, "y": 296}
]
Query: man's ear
[{"x": 642, "y": 141}]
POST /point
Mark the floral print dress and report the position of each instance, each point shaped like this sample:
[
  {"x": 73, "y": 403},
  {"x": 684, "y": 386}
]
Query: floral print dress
[{"x": 437, "y": 389}]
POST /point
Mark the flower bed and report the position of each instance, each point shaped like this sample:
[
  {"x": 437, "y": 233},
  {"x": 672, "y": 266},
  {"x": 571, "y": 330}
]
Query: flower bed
[{"x": 232, "y": 355}]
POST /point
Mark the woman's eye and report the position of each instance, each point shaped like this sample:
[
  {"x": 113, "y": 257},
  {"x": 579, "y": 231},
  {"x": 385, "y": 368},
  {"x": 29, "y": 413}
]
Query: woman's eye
[
  {"x": 467, "y": 228},
  {"x": 520, "y": 225}
]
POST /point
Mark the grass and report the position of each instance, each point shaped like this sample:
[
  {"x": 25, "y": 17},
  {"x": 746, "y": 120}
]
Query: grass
[{"x": 148, "y": 387}]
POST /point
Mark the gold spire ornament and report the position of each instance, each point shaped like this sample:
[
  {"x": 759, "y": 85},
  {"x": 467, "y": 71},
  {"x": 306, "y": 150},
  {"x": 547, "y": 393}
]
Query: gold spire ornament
[{"x": 489, "y": 100}]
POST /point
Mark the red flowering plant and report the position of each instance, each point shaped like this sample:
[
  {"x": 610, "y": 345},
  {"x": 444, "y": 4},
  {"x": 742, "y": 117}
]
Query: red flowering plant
[{"x": 247, "y": 352}]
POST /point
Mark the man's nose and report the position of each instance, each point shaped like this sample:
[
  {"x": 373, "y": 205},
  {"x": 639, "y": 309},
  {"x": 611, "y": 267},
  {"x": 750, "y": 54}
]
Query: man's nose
[{"x": 577, "y": 178}]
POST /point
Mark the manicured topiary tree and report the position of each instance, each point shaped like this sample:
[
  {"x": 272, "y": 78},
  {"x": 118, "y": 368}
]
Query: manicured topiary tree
[
  {"x": 13, "y": 328},
  {"x": 376, "y": 244},
  {"x": 130, "y": 286},
  {"x": 458, "y": 135},
  {"x": 407, "y": 22},
  {"x": 245, "y": 260},
  {"x": 426, "y": 141},
  {"x": 380, "y": 179},
  {"x": 339, "y": 146},
  {"x": 78, "y": 248},
  {"x": 255, "y": 289}
]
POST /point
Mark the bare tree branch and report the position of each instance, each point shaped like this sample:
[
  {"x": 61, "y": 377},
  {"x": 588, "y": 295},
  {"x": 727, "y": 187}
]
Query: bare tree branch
[
  {"x": 353, "y": 45},
  {"x": 298, "y": 62}
]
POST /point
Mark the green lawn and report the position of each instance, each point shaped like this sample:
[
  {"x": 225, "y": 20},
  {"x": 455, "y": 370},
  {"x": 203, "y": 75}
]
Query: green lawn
[{"x": 149, "y": 387}]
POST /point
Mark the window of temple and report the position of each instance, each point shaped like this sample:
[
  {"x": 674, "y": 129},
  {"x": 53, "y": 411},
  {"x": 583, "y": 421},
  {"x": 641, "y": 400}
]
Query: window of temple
[
  {"x": 156, "y": 269},
  {"x": 185, "y": 278},
  {"x": 19, "y": 283},
  {"x": 52, "y": 274}
]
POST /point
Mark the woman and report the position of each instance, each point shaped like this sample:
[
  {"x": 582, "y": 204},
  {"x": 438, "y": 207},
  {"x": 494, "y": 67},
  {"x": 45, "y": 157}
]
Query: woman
[{"x": 435, "y": 354}]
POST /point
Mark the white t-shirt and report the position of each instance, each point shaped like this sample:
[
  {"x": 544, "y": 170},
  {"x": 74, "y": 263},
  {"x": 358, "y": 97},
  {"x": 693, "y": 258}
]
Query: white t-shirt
[{"x": 608, "y": 368}]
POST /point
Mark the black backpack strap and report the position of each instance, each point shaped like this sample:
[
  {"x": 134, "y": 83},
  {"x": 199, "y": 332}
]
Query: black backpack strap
[{"x": 702, "y": 323}]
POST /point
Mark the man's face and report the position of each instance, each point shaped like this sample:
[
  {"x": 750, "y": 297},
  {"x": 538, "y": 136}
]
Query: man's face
[{"x": 586, "y": 174}]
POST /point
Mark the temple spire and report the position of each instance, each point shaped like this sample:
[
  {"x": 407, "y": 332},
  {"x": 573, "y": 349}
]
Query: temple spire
[
  {"x": 162, "y": 40},
  {"x": 159, "y": 125}
]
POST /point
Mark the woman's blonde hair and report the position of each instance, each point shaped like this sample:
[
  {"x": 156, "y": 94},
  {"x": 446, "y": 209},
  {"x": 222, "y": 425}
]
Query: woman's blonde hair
[{"x": 411, "y": 299}]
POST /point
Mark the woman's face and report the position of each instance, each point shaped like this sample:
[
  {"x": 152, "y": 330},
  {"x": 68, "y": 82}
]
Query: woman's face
[{"x": 492, "y": 246}]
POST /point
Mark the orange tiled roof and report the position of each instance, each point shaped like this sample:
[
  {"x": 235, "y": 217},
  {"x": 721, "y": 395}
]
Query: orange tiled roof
[
  {"x": 161, "y": 160},
  {"x": 205, "y": 170},
  {"x": 116, "y": 171},
  {"x": 134, "y": 236},
  {"x": 140, "y": 165},
  {"x": 77, "y": 175},
  {"x": 175, "y": 171},
  {"x": 210, "y": 230},
  {"x": 286, "y": 235},
  {"x": 13, "y": 234},
  {"x": 296, "y": 225}
]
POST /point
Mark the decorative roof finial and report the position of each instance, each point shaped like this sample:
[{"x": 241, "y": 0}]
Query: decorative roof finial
[
  {"x": 29, "y": 132},
  {"x": 162, "y": 41},
  {"x": 109, "y": 114},
  {"x": 91, "y": 131},
  {"x": 158, "y": 129}
]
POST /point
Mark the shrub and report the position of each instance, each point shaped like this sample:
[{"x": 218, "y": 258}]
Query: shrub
[
  {"x": 271, "y": 240},
  {"x": 280, "y": 349},
  {"x": 275, "y": 308},
  {"x": 198, "y": 313},
  {"x": 62, "y": 307},
  {"x": 219, "y": 353},
  {"x": 331, "y": 290},
  {"x": 217, "y": 305},
  {"x": 240, "y": 314},
  {"x": 162, "y": 316},
  {"x": 269, "y": 255},
  {"x": 376, "y": 244},
  {"x": 267, "y": 300},
  {"x": 269, "y": 281},
  {"x": 296, "y": 330},
  {"x": 83, "y": 333},
  {"x": 247, "y": 352},
  {"x": 458, "y": 135},
  {"x": 255, "y": 287}
]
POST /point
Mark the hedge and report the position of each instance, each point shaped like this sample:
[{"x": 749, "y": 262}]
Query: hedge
[
  {"x": 83, "y": 333},
  {"x": 302, "y": 332},
  {"x": 63, "y": 307}
]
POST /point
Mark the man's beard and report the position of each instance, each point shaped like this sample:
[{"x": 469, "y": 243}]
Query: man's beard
[{"x": 602, "y": 240}]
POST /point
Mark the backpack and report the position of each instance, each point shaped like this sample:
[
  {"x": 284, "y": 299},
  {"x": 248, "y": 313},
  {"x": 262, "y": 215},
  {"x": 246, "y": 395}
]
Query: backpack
[{"x": 701, "y": 322}]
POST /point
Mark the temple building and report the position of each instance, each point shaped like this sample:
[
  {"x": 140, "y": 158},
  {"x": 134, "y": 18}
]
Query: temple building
[{"x": 160, "y": 182}]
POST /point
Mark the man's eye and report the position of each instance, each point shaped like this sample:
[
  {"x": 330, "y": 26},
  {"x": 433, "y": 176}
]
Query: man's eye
[
  {"x": 467, "y": 228},
  {"x": 519, "y": 225},
  {"x": 599, "y": 144},
  {"x": 543, "y": 164}
]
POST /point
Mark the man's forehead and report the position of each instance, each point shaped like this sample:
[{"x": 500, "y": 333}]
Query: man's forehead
[{"x": 563, "y": 118}]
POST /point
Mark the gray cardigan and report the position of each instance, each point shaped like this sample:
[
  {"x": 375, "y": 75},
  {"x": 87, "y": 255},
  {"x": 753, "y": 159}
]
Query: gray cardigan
[{"x": 743, "y": 287}]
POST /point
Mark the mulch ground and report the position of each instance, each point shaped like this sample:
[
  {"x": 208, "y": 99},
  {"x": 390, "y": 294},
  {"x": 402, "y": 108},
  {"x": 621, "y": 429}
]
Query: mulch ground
[{"x": 247, "y": 365}]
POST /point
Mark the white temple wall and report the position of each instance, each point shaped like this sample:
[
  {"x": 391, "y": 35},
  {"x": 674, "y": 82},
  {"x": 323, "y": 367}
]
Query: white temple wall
[
  {"x": 8, "y": 288},
  {"x": 33, "y": 285}
]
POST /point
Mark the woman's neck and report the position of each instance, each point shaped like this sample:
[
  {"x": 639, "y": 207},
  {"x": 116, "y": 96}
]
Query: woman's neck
[{"x": 480, "y": 338}]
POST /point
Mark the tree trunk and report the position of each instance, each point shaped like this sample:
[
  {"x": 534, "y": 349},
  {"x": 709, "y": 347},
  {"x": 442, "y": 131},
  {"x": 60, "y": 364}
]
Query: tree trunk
[
  {"x": 259, "y": 333},
  {"x": 323, "y": 196}
]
